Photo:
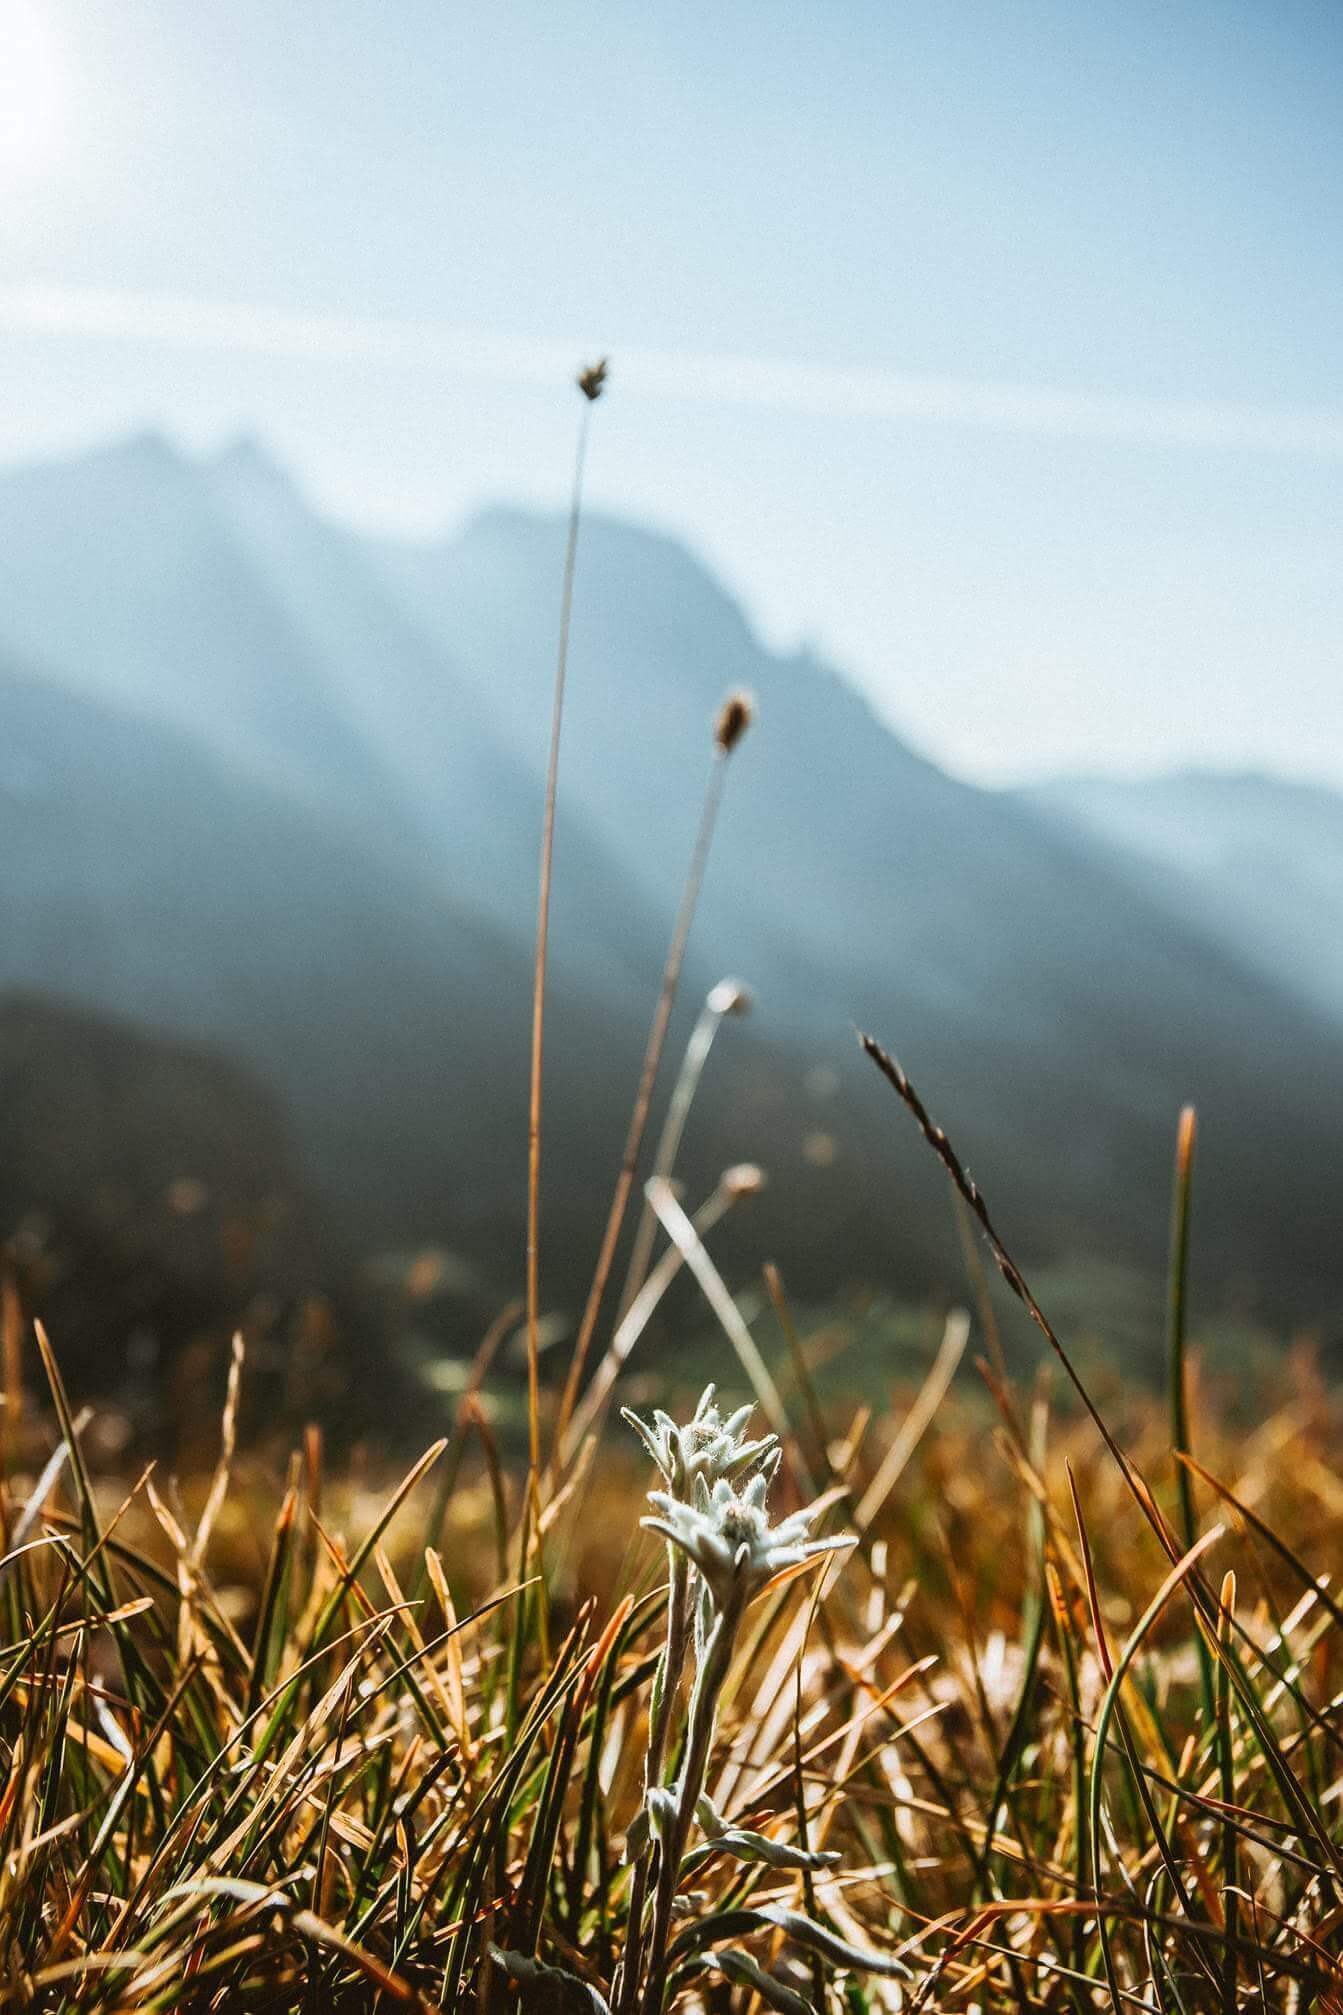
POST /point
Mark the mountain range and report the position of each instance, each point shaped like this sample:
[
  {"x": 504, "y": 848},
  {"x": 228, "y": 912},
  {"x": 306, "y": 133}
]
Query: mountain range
[
  {"x": 1256, "y": 859},
  {"x": 274, "y": 786}
]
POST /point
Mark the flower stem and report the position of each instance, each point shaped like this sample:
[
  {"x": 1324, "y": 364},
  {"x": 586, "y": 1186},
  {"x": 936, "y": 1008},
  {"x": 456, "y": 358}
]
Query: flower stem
[
  {"x": 714, "y": 1661},
  {"x": 666, "y": 1685}
]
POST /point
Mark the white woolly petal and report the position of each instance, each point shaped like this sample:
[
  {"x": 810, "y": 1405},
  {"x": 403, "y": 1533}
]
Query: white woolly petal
[{"x": 661, "y": 1525}]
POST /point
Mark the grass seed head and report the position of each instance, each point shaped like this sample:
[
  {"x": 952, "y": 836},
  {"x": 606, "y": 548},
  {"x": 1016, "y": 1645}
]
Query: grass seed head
[
  {"x": 591, "y": 380},
  {"x": 734, "y": 718}
]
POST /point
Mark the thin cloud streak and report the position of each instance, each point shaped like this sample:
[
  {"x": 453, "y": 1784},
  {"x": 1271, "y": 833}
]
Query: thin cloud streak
[{"x": 816, "y": 390}]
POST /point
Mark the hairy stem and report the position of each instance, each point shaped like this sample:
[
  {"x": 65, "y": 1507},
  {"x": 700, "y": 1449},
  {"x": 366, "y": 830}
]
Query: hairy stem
[
  {"x": 714, "y": 1661},
  {"x": 666, "y": 1686}
]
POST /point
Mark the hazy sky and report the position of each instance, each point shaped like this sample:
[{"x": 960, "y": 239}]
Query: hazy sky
[{"x": 995, "y": 348}]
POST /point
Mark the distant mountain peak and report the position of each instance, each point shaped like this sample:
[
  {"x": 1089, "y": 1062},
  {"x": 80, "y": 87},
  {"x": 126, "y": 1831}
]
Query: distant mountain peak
[
  {"x": 149, "y": 446},
  {"x": 147, "y": 454},
  {"x": 245, "y": 460},
  {"x": 633, "y": 576}
]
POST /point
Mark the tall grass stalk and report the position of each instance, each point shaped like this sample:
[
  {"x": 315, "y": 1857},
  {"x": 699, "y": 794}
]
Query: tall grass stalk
[
  {"x": 728, "y": 997},
  {"x": 1177, "y": 1307},
  {"x": 692, "y": 1249},
  {"x": 1177, "y": 1300},
  {"x": 590, "y": 384},
  {"x": 740, "y": 1181},
  {"x": 733, "y": 719}
]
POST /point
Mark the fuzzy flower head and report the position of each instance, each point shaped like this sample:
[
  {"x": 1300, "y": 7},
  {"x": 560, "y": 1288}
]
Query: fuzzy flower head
[
  {"x": 707, "y": 1449},
  {"x": 728, "y": 1536}
]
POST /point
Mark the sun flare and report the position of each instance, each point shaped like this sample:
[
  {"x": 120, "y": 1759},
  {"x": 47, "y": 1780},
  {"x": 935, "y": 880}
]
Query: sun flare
[{"x": 32, "y": 93}]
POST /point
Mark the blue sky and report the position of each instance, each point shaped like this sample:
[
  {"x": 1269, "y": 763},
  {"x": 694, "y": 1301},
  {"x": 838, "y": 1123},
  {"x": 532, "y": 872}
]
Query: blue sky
[{"x": 994, "y": 349}]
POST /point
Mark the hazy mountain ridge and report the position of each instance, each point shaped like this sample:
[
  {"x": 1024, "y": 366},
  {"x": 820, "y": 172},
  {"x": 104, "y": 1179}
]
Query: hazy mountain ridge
[
  {"x": 147, "y": 876},
  {"x": 149, "y": 879},
  {"x": 1258, "y": 858},
  {"x": 472, "y": 798},
  {"x": 323, "y": 855},
  {"x": 119, "y": 577},
  {"x": 1057, "y": 1005}
]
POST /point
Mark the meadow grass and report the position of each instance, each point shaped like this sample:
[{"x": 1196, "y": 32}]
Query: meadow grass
[{"x": 294, "y": 1744}]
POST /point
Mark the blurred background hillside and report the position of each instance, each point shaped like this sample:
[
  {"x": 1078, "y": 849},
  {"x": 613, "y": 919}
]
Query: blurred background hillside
[{"x": 973, "y": 404}]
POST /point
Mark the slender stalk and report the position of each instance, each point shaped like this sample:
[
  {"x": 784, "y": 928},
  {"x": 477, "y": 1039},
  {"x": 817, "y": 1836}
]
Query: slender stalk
[
  {"x": 588, "y": 1414},
  {"x": 11, "y": 1346},
  {"x": 726, "y": 998},
  {"x": 936, "y": 1137},
  {"x": 802, "y": 1377},
  {"x": 683, "y": 1235},
  {"x": 643, "y": 1096},
  {"x": 447, "y": 1483},
  {"x": 1176, "y": 1325},
  {"x": 666, "y": 1686},
  {"x": 543, "y": 933},
  {"x": 711, "y": 1672},
  {"x": 1226, "y": 1763},
  {"x": 1176, "y": 1304},
  {"x": 1063, "y": 1626}
]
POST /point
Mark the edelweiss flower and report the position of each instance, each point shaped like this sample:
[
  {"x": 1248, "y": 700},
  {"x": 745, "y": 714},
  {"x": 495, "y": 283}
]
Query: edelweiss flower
[
  {"x": 730, "y": 1539},
  {"x": 707, "y": 1449}
]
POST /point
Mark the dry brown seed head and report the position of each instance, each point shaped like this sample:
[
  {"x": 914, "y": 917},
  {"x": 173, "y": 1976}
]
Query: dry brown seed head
[
  {"x": 1184, "y": 1148},
  {"x": 734, "y": 718},
  {"x": 591, "y": 380}
]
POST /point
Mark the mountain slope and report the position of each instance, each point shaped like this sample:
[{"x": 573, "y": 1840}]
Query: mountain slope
[
  {"x": 277, "y": 787},
  {"x": 149, "y": 879},
  {"x": 224, "y": 862},
  {"x": 153, "y": 882},
  {"x": 146, "y": 1191},
  {"x": 475, "y": 800},
  {"x": 207, "y": 596},
  {"x": 1056, "y": 1011},
  {"x": 1259, "y": 859},
  {"x": 118, "y": 576}
]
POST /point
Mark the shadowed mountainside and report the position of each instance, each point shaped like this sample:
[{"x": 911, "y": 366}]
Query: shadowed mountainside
[
  {"x": 152, "y": 880},
  {"x": 147, "y": 877},
  {"x": 274, "y": 786},
  {"x": 151, "y": 1201},
  {"x": 1258, "y": 859},
  {"x": 1055, "y": 1008}
]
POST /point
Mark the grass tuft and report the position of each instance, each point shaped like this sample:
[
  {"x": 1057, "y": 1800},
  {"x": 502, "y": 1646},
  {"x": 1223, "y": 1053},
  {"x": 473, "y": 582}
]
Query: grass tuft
[{"x": 975, "y": 1764}]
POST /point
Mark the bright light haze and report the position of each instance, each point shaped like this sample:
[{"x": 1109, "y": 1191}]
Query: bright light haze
[{"x": 994, "y": 350}]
